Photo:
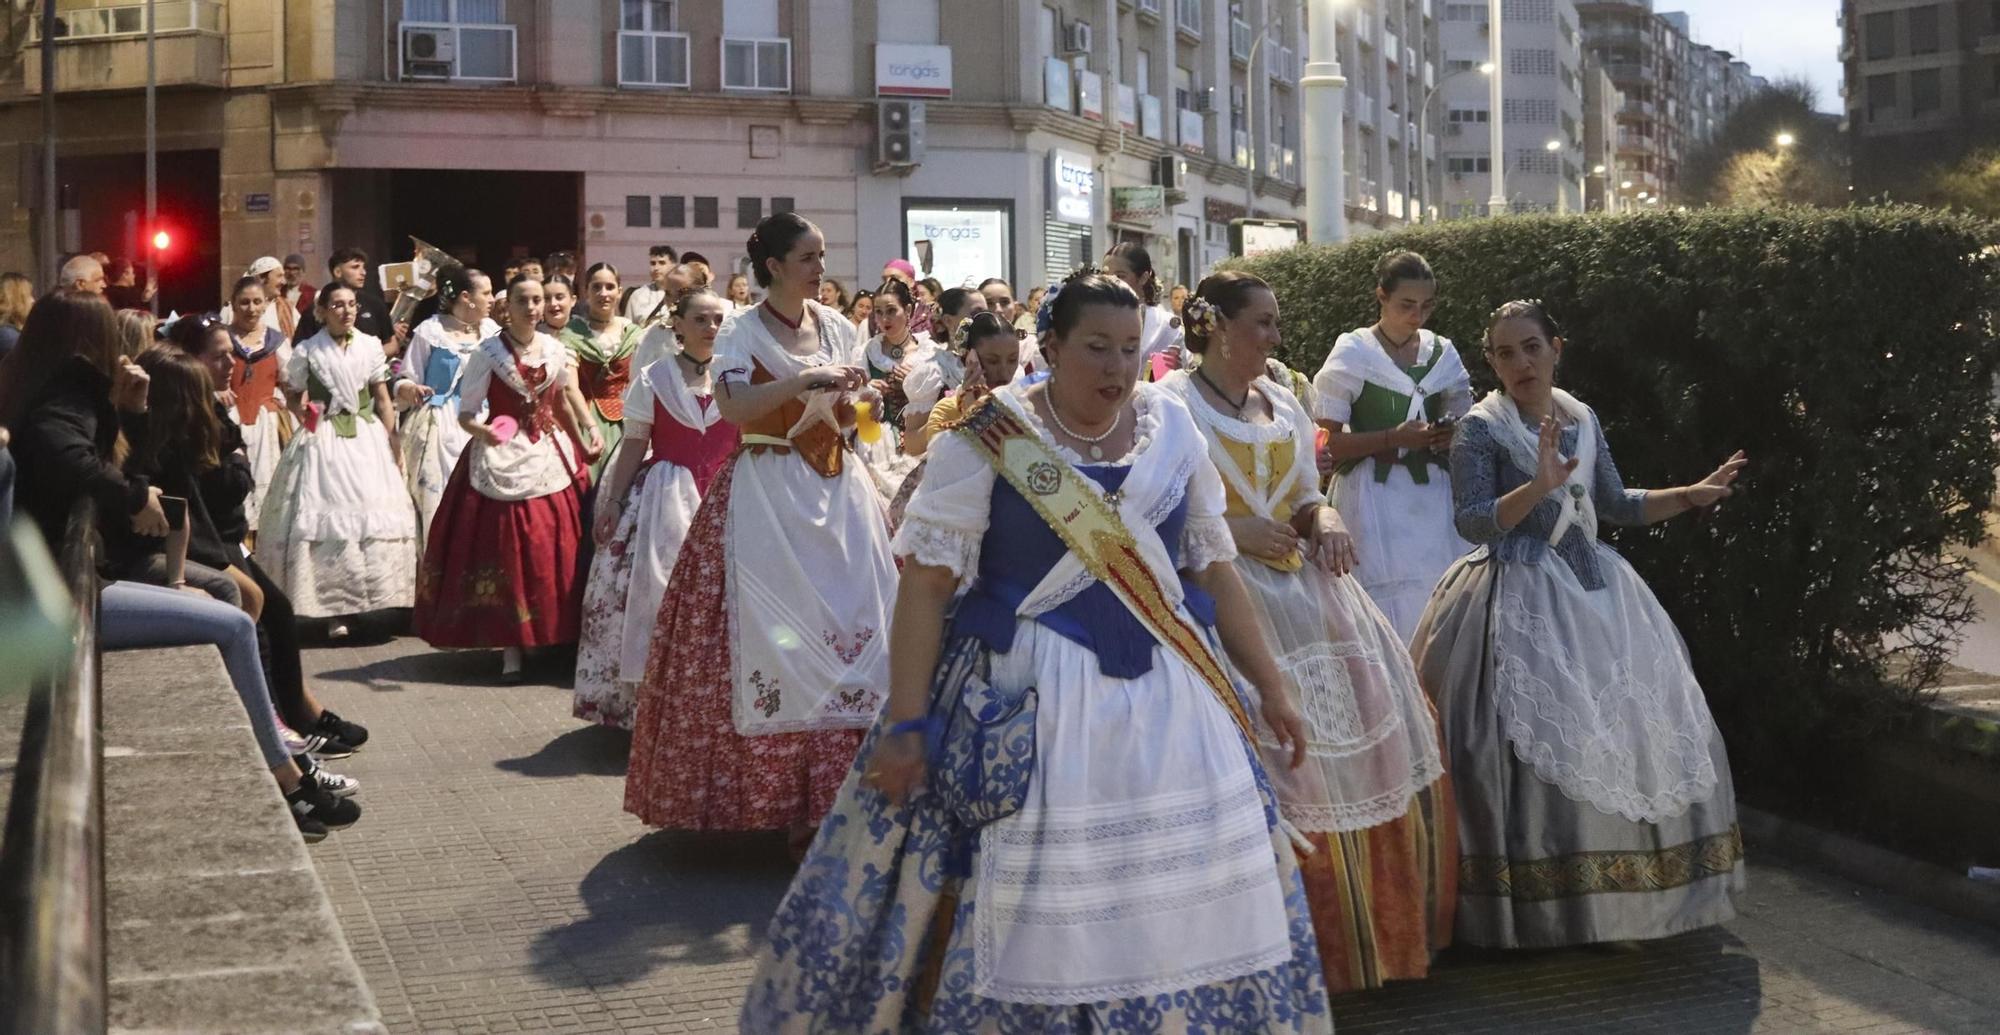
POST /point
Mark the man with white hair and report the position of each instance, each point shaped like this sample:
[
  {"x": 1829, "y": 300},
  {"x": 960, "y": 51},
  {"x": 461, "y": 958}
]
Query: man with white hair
[{"x": 82, "y": 275}]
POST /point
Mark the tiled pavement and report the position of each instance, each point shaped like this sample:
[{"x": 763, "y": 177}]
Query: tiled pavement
[{"x": 494, "y": 885}]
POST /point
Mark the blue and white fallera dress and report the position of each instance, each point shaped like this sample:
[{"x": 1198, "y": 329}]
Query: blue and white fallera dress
[{"x": 1144, "y": 884}]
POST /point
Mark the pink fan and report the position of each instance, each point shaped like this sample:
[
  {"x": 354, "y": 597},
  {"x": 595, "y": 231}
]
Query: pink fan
[
  {"x": 314, "y": 411},
  {"x": 1163, "y": 364},
  {"x": 504, "y": 426}
]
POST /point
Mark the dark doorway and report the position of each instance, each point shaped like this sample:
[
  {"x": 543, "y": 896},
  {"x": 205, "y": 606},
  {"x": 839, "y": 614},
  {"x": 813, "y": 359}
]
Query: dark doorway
[
  {"x": 484, "y": 218},
  {"x": 108, "y": 193}
]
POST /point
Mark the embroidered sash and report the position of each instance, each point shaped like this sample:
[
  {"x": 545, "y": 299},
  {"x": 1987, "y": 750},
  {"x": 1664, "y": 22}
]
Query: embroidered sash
[{"x": 1093, "y": 531}]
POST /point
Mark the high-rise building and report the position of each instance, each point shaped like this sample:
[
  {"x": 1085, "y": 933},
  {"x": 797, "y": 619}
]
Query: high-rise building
[
  {"x": 1922, "y": 86},
  {"x": 1646, "y": 58},
  {"x": 1542, "y": 118},
  {"x": 494, "y": 128},
  {"x": 1602, "y": 104}
]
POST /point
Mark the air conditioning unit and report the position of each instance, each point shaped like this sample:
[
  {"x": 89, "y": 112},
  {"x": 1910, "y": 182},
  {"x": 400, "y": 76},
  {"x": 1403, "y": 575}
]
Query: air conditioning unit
[
  {"x": 1204, "y": 100},
  {"x": 899, "y": 134},
  {"x": 428, "y": 53},
  {"x": 1076, "y": 38}
]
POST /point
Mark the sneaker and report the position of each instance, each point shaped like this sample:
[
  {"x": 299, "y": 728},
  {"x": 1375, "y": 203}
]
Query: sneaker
[
  {"x": 311, "y": 831},
  {"x": 318, "y": 745},
  {"x": 333, "y": 727},
  {"x": 312, "y": 802},
  {"x": 336, "y": 631},
  {"x": 335, "y": 784}
]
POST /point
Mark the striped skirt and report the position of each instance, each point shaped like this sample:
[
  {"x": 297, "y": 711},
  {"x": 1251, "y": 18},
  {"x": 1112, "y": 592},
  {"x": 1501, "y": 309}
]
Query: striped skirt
[{"x": 1383, "y": 899}]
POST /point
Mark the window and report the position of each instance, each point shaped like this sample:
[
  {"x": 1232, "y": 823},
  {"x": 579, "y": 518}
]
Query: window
[
  {"x": 1143, "y": 71},
  {"x": 757, "y": 64},
  {"x": 705, "y": 213},
  {"x": 1187, "y": 16},
  {"x": 1881, "y": 95},
  {"x": 749, "y": 212},
  {"x": 1924, "y": 30},
  {"x": 1878, "y": 32},
  {"x": 1463, "y": 165},
  {"x": 456, "y": 39},
  {"x": 650, "y": 53},
  {"x": 1926, "y": 96},
  {"x": 673, "y": 210},
  {"x": 638, "y": 210},
  {"x": 1454, "y": 66},
  {"x": 1465, "y": 12},
  {"x": 1469, "y": 115},
  {"x": 784, "y": 204},
  {"x": 1531, "y": 62}
]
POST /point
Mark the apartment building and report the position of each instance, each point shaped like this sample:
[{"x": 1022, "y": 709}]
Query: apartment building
[
  {"x": 493, "y": 128},
  {"x": 1921, "y": 84},
  {"x": 1646, "y": 57},
  {"x": 1717, "y": 83},
  {"x": 1602, "y": 104},
  {"x": 1542, "y": 130}
]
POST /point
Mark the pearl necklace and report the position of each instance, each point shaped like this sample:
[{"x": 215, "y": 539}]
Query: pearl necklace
[{"x": 1096, "y": 451}]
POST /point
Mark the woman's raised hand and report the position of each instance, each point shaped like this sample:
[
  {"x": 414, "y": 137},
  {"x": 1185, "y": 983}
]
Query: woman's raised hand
[
  {"x": 1720, "y": 484},
  {"x": 129, "y": 383},
  {"x": 1551, "y": 470}
]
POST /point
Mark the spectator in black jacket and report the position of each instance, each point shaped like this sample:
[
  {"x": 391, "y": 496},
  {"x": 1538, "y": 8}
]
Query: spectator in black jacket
[
  {"x": 349, "y": 266},
  {"x": 64, "y": 392},
  {"x": 220, "y": 490}
]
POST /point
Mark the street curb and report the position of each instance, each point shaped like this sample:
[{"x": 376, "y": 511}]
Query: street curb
[{"x": 1925, "y": 883}]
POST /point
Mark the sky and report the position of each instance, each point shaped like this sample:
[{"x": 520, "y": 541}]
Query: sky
[{"x": 1778, "y": 37}]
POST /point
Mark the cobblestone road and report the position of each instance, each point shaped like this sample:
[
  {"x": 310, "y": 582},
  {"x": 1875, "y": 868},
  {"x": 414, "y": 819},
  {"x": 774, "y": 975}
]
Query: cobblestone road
[{"x": 496, "y": 886}]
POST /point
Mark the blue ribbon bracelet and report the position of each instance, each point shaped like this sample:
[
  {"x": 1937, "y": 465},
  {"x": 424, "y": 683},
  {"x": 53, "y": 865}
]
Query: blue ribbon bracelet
[{"x": 928, "y": 726}]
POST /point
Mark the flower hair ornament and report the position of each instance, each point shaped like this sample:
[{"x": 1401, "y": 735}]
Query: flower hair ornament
[
  {"x": 1198, "y": 314},
  {"x": 1045, "y": 317}
]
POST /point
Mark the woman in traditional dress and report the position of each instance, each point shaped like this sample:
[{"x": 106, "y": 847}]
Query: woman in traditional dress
[
  {"x": 942, "y": 368},
  {"x": 1130, "y": 262},
  {"x": 771, "y": 651},
  {"x": 890, "y": 356},
  {"x": 601, "y": 342},
  {"x": 1596, "y": 803},
  {"x": 1088, "y": 843},
  {"x": 256, "y": 400},
  {"x": 338, "y": 532},
  {"x": 1372, "y": 796},
  {"x": 560, "y": 322},
  {"x": 503, "y": 567},
  {"x": 671, "y": 409},
  {"x": 1387, "y": 397},
  {"x": 428, "y": 386},
  {"x": 992, "y": 358}
]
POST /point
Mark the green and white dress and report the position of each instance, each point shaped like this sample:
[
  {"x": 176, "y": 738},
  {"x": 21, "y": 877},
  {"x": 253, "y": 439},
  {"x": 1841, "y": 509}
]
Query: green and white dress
[{"x": 1399, "y": 511}]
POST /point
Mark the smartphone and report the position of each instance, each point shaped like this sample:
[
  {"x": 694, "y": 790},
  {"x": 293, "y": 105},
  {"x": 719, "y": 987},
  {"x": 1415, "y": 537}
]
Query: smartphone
[
  {"x": 177, "y": 511},
  {"x": 1443, "y": 423}
]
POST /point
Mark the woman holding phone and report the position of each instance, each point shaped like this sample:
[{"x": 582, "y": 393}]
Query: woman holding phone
[{"x": 1387, "y": 398}]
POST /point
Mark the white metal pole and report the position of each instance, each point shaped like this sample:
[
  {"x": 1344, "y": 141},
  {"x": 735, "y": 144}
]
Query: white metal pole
[
  {"x": 1496, "y": 119},
  {"x": 152, "y": 157},
  {"x": 1321, "y": 135},
  {"x": 51, "y": 238}
]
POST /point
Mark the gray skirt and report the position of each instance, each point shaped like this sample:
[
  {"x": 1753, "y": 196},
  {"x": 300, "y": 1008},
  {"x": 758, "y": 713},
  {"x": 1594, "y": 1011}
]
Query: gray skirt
[{"x": 1541, "y": 868}]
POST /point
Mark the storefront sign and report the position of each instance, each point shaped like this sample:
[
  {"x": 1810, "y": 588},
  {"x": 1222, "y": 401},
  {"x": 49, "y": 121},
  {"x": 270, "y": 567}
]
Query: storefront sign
[
  {"x": 1090, "y": 95},
  {"x": 966, "y": 243},
  {"x": 1072, "y": 187},
  {"x": 907, "y": 70},
  {"x": 1139, "y": 205}
]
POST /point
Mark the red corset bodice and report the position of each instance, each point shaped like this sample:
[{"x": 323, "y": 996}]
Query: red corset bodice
[
  {"x": 701, "y": 452},
  {"x": 536, "y": 416},
  {"x": 604, "y": 385}
]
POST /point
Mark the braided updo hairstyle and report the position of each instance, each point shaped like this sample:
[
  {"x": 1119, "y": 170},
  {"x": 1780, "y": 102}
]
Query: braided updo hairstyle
[
  {"x": 1224, "y": 294},
  {"x": 773, "y": 239}
]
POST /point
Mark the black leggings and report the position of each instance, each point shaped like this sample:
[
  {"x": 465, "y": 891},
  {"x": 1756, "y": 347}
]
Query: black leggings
[{"x": 278, "y": 645}]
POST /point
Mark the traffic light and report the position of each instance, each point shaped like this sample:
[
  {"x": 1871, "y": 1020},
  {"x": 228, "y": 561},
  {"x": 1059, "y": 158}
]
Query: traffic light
[
  {"x": 162, "y": 241},
  {"x": 899, "y": 133}
]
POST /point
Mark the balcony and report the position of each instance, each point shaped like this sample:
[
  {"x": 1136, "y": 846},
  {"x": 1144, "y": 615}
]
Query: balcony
[
  {"x": 1239, "y": 41},
  {"x": 1149, "y": 8},
  {"x": 1149, "y": 117},
  {"x": 104, "y": 48},
  {"x": 653, "y": 59},
  {"x": 1187, "y": 17},
  {"x": 1392, "y": 48},
  {"x": 1281, "y": 64},
  {"x": 760, "y": 64},
  {"x": 1240, "y": 154}
]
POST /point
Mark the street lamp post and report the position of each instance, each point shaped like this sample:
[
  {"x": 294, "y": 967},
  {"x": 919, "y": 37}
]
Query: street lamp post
[
  {"x": 1562, "y": 193},
  {"x": 1321, "y": 135},
  {"x": 1424, "y": 124},
  {"x": 152, "y": 152},
  {"x": 51, "y": 216},
  {"x": 1497, "y": 205}
]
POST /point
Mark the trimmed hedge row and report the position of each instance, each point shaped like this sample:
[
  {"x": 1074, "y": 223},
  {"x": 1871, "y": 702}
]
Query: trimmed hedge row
[{"x": 1850, "y": 352}]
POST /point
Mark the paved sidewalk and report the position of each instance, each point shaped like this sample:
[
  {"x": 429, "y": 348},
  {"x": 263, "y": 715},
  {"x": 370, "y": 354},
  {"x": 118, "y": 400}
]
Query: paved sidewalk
[{"x": 495, "y": 885}]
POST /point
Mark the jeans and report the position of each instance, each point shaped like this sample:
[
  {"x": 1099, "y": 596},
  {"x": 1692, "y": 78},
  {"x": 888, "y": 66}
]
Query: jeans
[
  {"x": 153, "y": 572},
  {"x": 6, "y": 487},
  {"x": 134, "y": 615}
]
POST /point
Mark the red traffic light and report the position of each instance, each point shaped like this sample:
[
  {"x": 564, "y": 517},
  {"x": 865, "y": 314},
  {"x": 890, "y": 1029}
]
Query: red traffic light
[{"x": 161, "y": 240}]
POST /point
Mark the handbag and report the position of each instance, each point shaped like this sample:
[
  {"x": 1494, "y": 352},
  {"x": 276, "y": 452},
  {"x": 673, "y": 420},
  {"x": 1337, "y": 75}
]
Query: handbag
[{"x": 982, "y": 749}]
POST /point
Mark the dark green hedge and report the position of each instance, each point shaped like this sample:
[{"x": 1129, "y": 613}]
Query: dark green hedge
[{"x": 1851, "y": 352}]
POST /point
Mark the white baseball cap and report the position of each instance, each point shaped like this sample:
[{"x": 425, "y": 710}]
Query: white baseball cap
[{"x": 267, "y": 264}]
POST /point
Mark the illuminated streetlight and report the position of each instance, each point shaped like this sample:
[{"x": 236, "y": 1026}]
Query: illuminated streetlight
[
  {"x": 1486, "y": 68},
  {"x": 1654, "y": 200},
  {"x": 1625, "y": 185},
  {"x": 1642, "y": 195},
  {"x": 1786, "y": 140},
  {"x": 1553, "y": 145},
  {"x": 1597, "y": 170}
]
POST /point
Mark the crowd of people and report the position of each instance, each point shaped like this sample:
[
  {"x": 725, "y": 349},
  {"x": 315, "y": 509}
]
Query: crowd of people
[{"x": 1104, "y": 672}]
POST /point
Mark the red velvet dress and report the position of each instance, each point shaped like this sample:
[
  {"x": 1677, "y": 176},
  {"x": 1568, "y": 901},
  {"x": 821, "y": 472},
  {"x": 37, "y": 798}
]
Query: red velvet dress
[{"x": 503, "y": 565}]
